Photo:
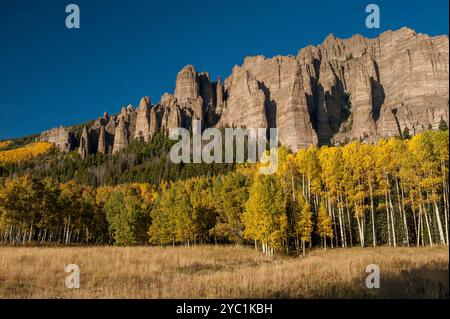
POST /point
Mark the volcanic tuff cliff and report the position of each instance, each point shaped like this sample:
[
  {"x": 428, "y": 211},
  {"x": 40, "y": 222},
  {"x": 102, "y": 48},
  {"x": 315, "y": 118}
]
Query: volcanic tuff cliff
[{"x": 356, "y": 88}]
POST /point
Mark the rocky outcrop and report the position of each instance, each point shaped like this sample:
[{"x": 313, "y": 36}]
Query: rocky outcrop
[
  {"x": 84, "y": 148},
  {"x": 246, "y": 103},
  {"x": 154, "y": 126},
  {"x": 294, "y": 119},
  {"x": 207, "y": 95},
  {"x": 102, "y": 141},
  {"x": 186, "y": 85},
  {"x": 198, "y": 108},
  {"x": 356, "y": 88},
  {"x": 269, "y": 87},
  {"x": 340, "y": 90},
  {"x": 399, "y": 79},
  {"x": 219, "y": 96},
  {"x": 61, "y": 137},
  {"x": 120, "y": 135},
  {"x": 142, "y": 129},
  {"x": 172, "y": 118}
]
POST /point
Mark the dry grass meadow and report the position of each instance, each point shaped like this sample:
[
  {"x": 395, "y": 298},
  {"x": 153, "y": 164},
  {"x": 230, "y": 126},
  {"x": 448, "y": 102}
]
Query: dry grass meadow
[{"x": 221, "y": 272}]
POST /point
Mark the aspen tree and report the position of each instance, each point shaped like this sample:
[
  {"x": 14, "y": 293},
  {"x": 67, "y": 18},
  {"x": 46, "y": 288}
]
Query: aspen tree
[{"x": 324, "y": 227}]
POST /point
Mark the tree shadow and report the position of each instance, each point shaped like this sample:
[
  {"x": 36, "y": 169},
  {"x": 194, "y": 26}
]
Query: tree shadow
[
  {"x": 430, "y": 281},
  {"x": 270, "y": 106}
]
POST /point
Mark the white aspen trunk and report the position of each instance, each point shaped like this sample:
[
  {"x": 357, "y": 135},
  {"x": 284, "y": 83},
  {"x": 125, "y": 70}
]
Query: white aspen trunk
[
  {"x": 343, "y": 220},
  {"x": 428, "y": 228},
  {"x": 444, "y": 194},
  {"x": 67, "y": 231},
  {"x": 31, "y": 232},
  {"x": 438, "y": 219},
  {"x": 340, "y": 225},
  {"x": 388, "y": 219},
  {"x": 361, "y": 235},
  {"x": 303, "y": 185},
  {"x": 392, "y": 219},
  {"x": 421, "y": 231},
  {"x": 372, "y": 214},
  {"x": 309, "y": 189},
  {"x": 419, "y": 228},
  {"x": 349, "y": 222},
  {"x": 402, "y": 206}
]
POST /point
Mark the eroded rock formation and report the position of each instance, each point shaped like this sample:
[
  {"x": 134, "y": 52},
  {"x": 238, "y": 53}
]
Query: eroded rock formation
[
  {"x": 102, "y": 141},
  {"x": 142, "y": 129},
  {"x": 120, "y": 135},
  {"x": 343, "y": 89},
  {"x": 84, "y": 148},
  {"x": 61, "y": 137}
]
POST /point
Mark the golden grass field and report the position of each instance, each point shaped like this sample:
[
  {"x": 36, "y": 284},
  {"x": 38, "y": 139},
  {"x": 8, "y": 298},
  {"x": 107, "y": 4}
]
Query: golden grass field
[{"x": 221, "y": 272}]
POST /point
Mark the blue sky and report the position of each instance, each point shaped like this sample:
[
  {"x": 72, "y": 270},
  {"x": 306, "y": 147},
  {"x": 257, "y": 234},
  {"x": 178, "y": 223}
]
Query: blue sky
[{"x": 51, "y": 75}]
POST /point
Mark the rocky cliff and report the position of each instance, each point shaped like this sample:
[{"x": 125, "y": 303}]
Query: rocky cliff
[{"x": 343, "y": 89}]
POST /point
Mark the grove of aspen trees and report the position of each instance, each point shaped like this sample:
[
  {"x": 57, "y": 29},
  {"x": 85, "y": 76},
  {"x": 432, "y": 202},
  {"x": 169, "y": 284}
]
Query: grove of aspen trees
[{"x": 394, "y": 192}]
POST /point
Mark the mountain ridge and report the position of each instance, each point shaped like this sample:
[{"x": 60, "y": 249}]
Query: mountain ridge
[{"x": 342, "y": 89}]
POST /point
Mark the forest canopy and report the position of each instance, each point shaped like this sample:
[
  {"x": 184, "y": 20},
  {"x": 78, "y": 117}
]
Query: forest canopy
[{"x": 394, "y": 192}]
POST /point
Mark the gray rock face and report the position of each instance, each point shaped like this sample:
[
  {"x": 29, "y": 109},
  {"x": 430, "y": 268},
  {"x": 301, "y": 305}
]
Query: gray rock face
[
  {"x": 207, "y": 95},
  {"x": 400, "y": 70},
  {"x": 350, "y": 88},
  {"x": 61, "y": 137},
  {"x": 187, "y": 86},
  {"x": 340, "y": 90},
  {"x": 170, "y": 113},
  {"x": 173, "y": 118},
  {"x": 219, "y": 96},
  {"x": 84, "y": 148},
  {"x": 142, "y": 119},
  {"x": 154, "y": 125},
  {"x": 102, "y": 141},
  {"x": 198, "y": 107},
  {"x": 246, "y": 103},
  {"x": 120, "y": 136},
  {"x": 276, "y": 101}
]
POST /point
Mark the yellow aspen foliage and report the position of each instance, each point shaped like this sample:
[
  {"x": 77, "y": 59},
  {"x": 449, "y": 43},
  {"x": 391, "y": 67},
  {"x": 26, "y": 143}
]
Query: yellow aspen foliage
[
  {"x": 324, "y": 224},
  {"x": 24, "y": 153},
  {"x": 5, "y": 144}
]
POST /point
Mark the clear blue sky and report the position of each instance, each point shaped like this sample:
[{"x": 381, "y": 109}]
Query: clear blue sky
[{"x": 50, "y": 75}]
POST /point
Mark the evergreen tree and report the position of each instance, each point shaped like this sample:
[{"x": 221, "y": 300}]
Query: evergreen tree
[
  {"x": 405, "y": 134},
  {"x": 443, "y": 126}
]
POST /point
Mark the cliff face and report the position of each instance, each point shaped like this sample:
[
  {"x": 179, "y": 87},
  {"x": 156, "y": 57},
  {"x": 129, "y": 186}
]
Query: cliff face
[
  {"x": 61, "y": 137},
  {"x": 347, "y": 89},
  {"x": 340, "y": 90}
]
